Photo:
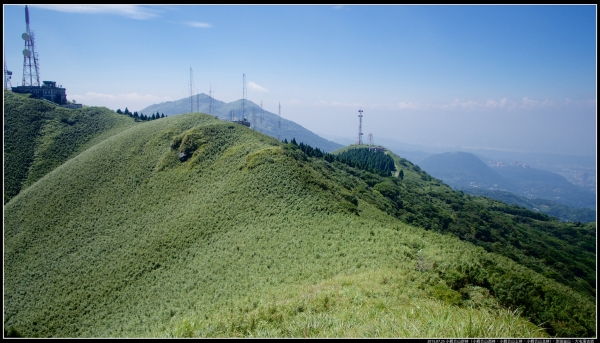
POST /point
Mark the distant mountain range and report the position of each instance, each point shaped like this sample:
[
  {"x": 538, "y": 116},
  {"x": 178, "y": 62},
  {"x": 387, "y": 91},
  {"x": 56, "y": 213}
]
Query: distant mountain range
[
  {"x": 465, "y": 171},
  {"x": 263, "y": 121}
]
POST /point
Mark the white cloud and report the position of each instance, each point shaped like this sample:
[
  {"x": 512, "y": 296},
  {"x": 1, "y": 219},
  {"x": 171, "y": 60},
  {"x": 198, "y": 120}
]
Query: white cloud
[
  {"x": 131, "y": 11},
  {"x": 199, "y": 24},
  {"x": 255, "y": 87}
]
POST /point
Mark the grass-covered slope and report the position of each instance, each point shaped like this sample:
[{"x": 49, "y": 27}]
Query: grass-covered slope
[
  {"x": 563, "y": 251},
  {"x": 263, "y": 121},
  {"x": 190, "y": 226},
  {"x": 39, "y": 136}
]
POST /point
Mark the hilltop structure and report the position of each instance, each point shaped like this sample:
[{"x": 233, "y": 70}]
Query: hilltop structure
[{"x": 31, "y": 78}]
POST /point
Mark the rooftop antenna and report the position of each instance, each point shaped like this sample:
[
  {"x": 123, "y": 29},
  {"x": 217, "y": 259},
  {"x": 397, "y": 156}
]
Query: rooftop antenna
[
  {"x": 191, "y": 91},
  {"x": 359, "y": 141},
  {"x": 279, "y": 124},
  {"x": 30, "y": 58},
  {"x": 244, "y": 97},
  {"x": 7, "y": 75}
]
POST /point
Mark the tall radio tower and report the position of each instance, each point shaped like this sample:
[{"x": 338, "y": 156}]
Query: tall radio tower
[
  {"x": 370, "y": 141},
  {"x": 359, "y": 140},
  {"x": 31, "y": 71},
  {"x": 262, "y": 113}
]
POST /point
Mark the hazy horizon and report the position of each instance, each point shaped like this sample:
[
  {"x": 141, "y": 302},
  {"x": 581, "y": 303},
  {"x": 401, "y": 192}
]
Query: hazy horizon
[{"x": 505, "y": 77}]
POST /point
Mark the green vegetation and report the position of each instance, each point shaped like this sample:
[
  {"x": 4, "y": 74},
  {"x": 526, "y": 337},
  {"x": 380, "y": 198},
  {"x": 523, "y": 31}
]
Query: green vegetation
[
  {"x": 194, "y": 227},
  {"x": 530, "y": 238},
  {"x": 141, "y": 116},
  {"x": 40, "y": 136}
]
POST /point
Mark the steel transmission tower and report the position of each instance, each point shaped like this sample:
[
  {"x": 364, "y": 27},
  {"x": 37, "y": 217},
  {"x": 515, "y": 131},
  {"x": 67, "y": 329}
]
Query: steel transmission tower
[
  {"x": 359, "y": 140},
  {"x": 31, "y": 71}
]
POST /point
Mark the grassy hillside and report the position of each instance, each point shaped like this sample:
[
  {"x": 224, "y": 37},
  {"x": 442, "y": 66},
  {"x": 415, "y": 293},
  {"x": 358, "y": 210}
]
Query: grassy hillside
[
  {"x": 40, "y": 136},
  {"x": 190, "y": 226},
  {"x": 527, "y": 237},
  {"x": 265, "y": 122}
]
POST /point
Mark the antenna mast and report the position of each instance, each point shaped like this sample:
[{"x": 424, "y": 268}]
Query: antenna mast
[
  {"x": 7, "y": 75},
  {"x": 359, "y": 141},
  {"x": 279, "y": 124},
  {"x": 191, "y": 91},
  {"x": 30, "y": 68},
  {"x": 262, "y": 113},
  {"x": 197, "y": 100},
  {"x": 370, "y": 141}
]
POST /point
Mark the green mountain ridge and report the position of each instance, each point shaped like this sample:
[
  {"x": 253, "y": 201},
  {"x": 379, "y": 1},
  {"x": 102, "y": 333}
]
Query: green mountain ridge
[
  {"x": 251, "y": 237},
  {"x": 263, "y": 121},
  {"x": 39, "y": 136}
]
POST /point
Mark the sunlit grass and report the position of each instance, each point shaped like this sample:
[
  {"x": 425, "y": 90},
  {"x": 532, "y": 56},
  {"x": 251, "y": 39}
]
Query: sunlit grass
[{"x": 244, "y": 238}]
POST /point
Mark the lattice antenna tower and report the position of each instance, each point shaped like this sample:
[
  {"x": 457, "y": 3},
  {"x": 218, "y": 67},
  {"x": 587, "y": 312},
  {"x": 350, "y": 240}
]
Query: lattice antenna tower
[
  {"x": 197, "y": 100},
  {"x": 279, "y": 124},
  {"x": 244, "y": 97},
  {"x": 31, "y": 71},
  {"x": 191, "y": 90},
  {"x": 262, "y": 113},
  {"x": 359, "y": 140},
  {"x": 370, "y": 141},
  {"x": 7, "y": 75}
]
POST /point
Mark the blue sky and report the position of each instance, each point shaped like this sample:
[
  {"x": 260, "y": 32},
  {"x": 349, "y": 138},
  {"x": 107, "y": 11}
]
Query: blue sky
[{"x": 504, "y": 77}]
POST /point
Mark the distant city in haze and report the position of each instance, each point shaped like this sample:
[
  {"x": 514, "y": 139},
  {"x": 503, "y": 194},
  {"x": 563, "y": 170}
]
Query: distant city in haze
[{"x": 503, "y": 77}]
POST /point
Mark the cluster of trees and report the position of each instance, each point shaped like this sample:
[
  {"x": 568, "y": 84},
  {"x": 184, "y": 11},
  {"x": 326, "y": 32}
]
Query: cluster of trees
[
  {"x": 141, "y": 116},
  {"x": 366, "y": 159},
  {"x": 362, "y": 158}
]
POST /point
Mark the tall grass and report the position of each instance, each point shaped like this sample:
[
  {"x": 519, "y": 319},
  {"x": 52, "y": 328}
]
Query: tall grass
[{"x": 127, "y": 240}]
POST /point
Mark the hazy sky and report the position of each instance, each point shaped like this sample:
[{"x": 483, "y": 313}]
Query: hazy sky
[{"x": 504, "y": 77}]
